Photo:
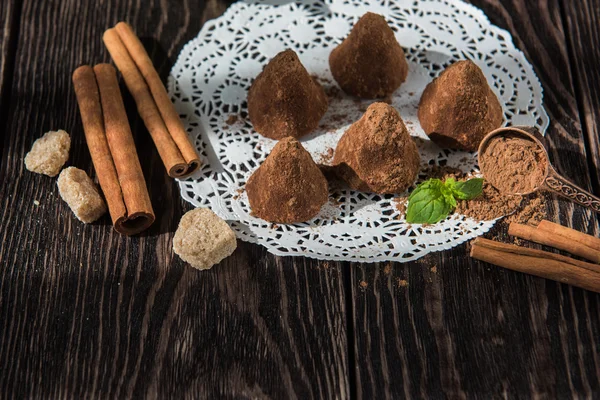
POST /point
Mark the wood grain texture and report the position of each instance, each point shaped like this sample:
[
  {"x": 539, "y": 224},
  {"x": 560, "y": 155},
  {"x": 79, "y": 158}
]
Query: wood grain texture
[
  {"x": 458, "y": 328},
  {"x": 9, "y": 18},
  {"x": 85, "y": 312},
  {"x": 8, "y": 15},
  {"x": 582, "y": 19}
]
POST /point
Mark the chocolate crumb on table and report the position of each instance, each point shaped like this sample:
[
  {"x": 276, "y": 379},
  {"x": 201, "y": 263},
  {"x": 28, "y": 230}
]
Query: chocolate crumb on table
[
  {"x": 387, "y": 269},
  {"x": 402, "y": 282},
  {"x": 49, "y": 153},
  {"x": 363, "y": 285},
  {"x": 80, "y": 193},
  {"x": 203, "y": 239}
]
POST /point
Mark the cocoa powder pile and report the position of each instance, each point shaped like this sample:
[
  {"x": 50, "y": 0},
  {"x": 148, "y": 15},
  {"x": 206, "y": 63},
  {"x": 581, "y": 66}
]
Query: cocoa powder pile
[
  {"x": 369, "y": 63},
  {"x": 514, "y": 164},
  {"x": 377, "y": 154},
  {"x": 459, "y": 108},
  {"x": 285, "y": 100},
  {"x": 492, "y": 204},
  {"x": 288, "y": 187}
]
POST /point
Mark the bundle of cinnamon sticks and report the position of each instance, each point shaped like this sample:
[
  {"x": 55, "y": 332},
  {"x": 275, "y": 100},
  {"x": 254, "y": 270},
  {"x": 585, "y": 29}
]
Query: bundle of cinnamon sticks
[
  {"x": 544, "y": 264},
  {"x": 112, "y": 148},
  {"x": 152, "y": 100}
]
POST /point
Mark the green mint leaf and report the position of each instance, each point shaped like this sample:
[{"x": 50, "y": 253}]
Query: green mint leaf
[
  {"x": 429, "y": 203},
  {"x": 468, "y": 190},
  {"x": 450, "y": 182},
  {"x": 449, "y": 196}
]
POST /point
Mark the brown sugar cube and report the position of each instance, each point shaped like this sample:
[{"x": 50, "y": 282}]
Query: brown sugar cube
[
  {"x": 49, "y": 153},
  {"x": 203, "y": 239},
  {"x": 80, "y": 193}
]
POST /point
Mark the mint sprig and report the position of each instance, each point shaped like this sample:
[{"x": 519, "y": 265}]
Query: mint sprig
[{"x": 433, "y": 199}]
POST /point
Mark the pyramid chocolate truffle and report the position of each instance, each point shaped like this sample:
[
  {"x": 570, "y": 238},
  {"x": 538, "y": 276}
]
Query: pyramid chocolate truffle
[
  {"x": 284, "y": 100},
  {"x": 369, "y": 63},
  {"x": 459, "y": 108},
  {"x": 377, "y": 154},
  {"x": 288, "y": 187}
]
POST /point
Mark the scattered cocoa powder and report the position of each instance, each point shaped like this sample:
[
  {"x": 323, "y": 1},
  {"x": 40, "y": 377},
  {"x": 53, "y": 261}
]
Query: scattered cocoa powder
[
  {"x": 327, "y": 156},
  {"x": 459, "y": 108},
  {"x": 490, "y": 205},
  {"x": 513, "y": 164},
  {"x": 369, "y": 63},
  {"x": 333, "y": 92},
  {"x": 288, "y": 187},
  {"x": 400, "y": 205},
  {"x": 377, "y": 154},
  {"x": 232, "y": 119},
  {"x": 444, "y": 172},
  {"x": 387, "y": 269},
  {"x": 532, "y": 211},
  {"x": 434, "y": 269},
  {"x": 284, "y": 100}
]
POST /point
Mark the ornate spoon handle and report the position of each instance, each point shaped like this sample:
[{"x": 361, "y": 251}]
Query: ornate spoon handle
[{"x": 558, "y": 184}]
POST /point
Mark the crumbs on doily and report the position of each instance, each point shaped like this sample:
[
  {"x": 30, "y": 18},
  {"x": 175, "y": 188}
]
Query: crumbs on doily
[
  {"x": 232, "y": 119},
  {"x": 400, "y": 206},
  {"x": 238, "y": 193},
  {"x": 327, "y": 156}
]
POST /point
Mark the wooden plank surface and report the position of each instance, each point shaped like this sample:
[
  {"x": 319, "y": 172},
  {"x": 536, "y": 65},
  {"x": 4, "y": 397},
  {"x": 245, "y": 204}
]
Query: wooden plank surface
[
  {"x": 85, "y": 312},
  {"x": 463, "y": 329},
  {"x": 582, "y": 19},
  {"x": 7, "y": 22},
  {"x": 9, "y": 14}
]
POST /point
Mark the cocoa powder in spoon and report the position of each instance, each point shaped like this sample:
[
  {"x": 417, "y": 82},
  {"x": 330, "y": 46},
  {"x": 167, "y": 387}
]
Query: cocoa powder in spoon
[{"x": 514, "y": 164}]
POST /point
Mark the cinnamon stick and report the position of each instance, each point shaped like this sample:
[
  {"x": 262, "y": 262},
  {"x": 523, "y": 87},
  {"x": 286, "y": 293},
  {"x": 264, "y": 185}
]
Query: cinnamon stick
[
  {"x": 539, "y": 263},
  {"x": 159, "y": 115},
  {"x": 161, "y": 97},
  {"x": 167, "y": 149},
  {"x": 112, "y": 148},
  {"x": 555, "y": 229},
  {"x": 567, "y": 243}
]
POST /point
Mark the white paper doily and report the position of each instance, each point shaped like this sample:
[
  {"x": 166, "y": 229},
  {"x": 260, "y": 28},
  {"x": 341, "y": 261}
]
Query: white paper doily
[{"x": 209, "y": 85}]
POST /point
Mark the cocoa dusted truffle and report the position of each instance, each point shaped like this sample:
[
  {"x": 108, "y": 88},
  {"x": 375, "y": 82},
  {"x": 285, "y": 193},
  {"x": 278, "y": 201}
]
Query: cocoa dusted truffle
[
  {"x": 369, "y": 63},
  {"x": 285, "y": 100},
  {"x": 377, "y": 154},
  {"x": 288, "y": 187},
  {"x": 459, "y": 108}
]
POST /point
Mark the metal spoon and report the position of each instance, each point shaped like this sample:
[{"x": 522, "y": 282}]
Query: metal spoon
[{"x": 553, "y": 181}]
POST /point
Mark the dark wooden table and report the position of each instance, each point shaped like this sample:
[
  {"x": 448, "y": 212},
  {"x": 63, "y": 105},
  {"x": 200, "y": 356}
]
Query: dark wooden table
[{"x": 85, "y": 312}]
